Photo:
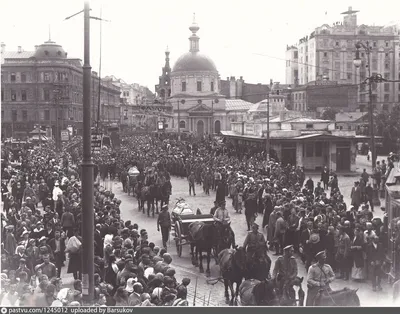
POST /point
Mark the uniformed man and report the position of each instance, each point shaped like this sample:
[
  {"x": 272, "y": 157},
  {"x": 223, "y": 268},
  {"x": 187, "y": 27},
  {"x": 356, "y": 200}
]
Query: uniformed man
[
  {"x": 320, "y": 275},
  {"x": 285, "y": 270},
  {"x": 164, "y": 221},
  {"x": 254, "y": 242},
  {"x": 221, "y": 214}
]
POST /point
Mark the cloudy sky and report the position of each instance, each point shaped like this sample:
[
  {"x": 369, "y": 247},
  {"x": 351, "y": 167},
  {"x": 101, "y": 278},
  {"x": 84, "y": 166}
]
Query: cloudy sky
[{"x": 244, "y": 38}]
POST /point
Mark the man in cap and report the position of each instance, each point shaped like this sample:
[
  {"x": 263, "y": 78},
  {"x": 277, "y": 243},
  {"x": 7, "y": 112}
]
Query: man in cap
[
  {"x": 320, "y": 275},
  {"x": 254, "y": 244},
  {"x": 222, "y": 214},
  {"x": 164, "y": 221},
  {"x": 285, "y": 270}
]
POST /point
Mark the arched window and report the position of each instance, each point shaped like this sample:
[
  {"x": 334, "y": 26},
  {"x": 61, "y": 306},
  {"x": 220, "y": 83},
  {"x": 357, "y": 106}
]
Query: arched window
[{"x": 182, "y": 124}]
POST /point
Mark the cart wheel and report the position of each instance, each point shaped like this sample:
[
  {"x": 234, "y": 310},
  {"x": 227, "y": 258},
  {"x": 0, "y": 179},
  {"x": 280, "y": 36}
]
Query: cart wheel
[{"x": 178, "y": 238}]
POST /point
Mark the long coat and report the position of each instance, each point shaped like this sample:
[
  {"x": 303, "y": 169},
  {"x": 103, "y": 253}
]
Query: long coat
[
  {"x": 269, "y": 207},
  {"x": 355, "y": 196},
  {"x": 271, "y": 226}
]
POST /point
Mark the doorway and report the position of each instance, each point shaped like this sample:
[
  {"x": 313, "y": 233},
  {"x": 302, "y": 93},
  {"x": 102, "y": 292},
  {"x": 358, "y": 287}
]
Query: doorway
[
  {"x": 343, "y": 159},
  {"x": 200, "y": 127}
]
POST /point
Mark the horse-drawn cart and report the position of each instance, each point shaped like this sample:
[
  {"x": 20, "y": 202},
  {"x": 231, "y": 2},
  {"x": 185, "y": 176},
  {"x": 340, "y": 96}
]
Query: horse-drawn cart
[
  {"x": 182, "y": 217},
  {"x": 133, "y": 174}
]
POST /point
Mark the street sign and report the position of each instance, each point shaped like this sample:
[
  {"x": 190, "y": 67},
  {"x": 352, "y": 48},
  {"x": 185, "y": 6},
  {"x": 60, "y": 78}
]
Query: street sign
[
  {"x": 64, "y": 135},
  {"x": 96, "y": 141}
]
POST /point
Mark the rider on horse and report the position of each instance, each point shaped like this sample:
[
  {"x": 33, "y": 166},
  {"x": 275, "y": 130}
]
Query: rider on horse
[
  {"x": 320, "y": 275},
  {"x": 254, "y": 244},
  {"x": 285, "y": 271}
]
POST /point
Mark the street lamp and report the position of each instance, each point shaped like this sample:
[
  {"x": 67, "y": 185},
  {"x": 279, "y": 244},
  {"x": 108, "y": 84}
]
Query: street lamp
[
  {"x": 267, "y": 148},
  {"x": 370, "y": 80}
]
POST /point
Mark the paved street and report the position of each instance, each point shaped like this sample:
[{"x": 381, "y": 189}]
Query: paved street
[{"x": 183, "y": 264}]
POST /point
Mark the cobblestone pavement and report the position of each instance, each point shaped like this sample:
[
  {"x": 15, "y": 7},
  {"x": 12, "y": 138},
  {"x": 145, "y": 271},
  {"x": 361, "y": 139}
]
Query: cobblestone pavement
[{"x": 207, "y": 294}]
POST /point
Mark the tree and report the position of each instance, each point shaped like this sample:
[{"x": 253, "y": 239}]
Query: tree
[
  {"x": 387, "y": 125},
  {"x": 329, "y": 114}
]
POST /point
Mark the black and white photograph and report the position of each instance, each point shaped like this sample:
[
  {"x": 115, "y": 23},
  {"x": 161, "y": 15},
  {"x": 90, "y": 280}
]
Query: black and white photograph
[{"x": 206, "y": 153}]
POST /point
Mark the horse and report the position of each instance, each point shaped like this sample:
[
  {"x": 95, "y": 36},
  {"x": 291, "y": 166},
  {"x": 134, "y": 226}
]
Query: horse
[
  {"x": 287, "y": 297},
  {"x": 205, "y": 238},
  {"x": 343, "y": 297},
  {"x": 165, "y": 192},
  {"x": 232, "y": 264},
  {"x": 253, "y": 292},
  {"x": 258, "y": 265}
]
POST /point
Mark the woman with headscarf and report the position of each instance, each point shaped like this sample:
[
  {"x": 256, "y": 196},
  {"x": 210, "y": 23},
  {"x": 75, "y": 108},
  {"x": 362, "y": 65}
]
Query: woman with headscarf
[{"x": 121, "y": 297}]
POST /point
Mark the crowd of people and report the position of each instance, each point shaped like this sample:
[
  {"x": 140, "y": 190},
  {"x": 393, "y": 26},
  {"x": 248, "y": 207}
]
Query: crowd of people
[
  {"x": 41, "y": 209},
  {"x": 41, "y": 226}
]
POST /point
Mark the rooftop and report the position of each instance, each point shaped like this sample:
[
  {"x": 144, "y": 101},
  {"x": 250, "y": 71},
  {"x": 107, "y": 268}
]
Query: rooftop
[
  {"x": 349, "y": 116},
  {"x": 237, "y": 104}
]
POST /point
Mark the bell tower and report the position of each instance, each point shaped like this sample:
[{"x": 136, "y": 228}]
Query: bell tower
[{"x": 163, "y": 89}]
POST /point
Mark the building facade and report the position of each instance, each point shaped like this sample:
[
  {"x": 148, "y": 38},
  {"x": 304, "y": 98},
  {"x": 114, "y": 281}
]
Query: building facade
[
  {"x": 329, "y": 52},
  {"x": 198, "y": 106},
  {"x": 44, "y": 88},
  {"x": 305, "y": 142},
  {"x": 321, "y": 94}
]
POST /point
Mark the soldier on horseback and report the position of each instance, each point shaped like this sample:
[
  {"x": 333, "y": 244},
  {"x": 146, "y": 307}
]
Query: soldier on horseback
[
  {"x": 320, "y": 275},
  {"x": 285, "y": 271},
  {"x": 255, "y": 247}
]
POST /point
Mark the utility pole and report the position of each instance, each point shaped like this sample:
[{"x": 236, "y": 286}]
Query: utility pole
[
  {"x": 267, "y": 147},
  {"x": 371, "y": 79},
  {"x": 87, "y": 172},
  {"x": 179, "y": 119}
]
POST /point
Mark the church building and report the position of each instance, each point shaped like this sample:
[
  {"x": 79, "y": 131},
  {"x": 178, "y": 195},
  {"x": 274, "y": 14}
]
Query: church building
[{"x": 198, "y": 106}]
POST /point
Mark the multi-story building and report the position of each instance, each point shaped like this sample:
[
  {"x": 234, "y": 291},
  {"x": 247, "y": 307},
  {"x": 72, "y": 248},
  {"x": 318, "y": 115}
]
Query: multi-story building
[
  {"x": 322, "y": 94},
  {"x": 44, "y": 88},
  {"x": 328, "y": 52},
  {"x": 233, "y": 88}
]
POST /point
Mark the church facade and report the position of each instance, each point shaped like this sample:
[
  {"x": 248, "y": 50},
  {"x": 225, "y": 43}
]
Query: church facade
[{"x": 198, "y": 106}]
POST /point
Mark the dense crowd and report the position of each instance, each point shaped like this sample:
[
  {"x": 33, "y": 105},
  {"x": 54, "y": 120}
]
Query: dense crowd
[
  {"x": 41, "y": 207},
  {"x": 40, "y": 225}
]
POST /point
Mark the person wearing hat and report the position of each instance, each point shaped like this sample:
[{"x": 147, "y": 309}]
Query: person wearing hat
[
  {"x": 222, "y": 214},
  {"x": 164, "y": 221},
  {"x": 285, "y": 271},
  {"x": 254, "y": 244},
  {"x": 375, "y": 259},
  {"x": 319, "y": 276},
  {"x": 343, "y": 254}
]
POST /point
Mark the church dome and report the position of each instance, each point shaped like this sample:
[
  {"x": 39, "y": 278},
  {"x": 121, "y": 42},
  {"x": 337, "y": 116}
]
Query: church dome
[
  {"x": 50, "y": 50},
  {"x": 194, "y": 61}
]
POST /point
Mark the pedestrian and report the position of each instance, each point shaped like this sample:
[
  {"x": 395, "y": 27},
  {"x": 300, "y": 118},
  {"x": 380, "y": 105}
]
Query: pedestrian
[
  {"x": 191, "y": 180},
  {"x": 375, "y": 257},
  {"x": 325, "y": 177},
  {"x": 164, "y": 221}
]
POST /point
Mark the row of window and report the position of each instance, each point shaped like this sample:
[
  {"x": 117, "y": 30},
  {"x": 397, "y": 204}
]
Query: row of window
[
  {"x": 42, "y": 115},
  {"x": 312, "y": 149},
  {"x": 199, "y": 86},
  {"x": 22, "y": 77}
]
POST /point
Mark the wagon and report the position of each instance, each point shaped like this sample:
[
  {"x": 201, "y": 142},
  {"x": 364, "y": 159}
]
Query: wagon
[
  {"x": 133, "y": 174},
  {"x": 182, "y": 217}
]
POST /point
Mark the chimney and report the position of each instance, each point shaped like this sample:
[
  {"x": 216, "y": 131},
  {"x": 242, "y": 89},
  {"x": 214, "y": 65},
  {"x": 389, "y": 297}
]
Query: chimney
[
  {"x": 19, "y": 49},
  {"x": 3, "y": 47}
]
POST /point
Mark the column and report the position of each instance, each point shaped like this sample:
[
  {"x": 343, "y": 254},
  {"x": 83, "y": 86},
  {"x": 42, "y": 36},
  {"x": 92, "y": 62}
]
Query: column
[{"x": 299, "y": 154}]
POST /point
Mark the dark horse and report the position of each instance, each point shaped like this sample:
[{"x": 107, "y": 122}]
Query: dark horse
[
  {"x": 206, "y": 237},
  {"x": 162, "y": 193},
  {"x": 343, "y": 297},
  {"x": 258, "y": 265},
  {"x": 232, "y": 263},
  {"x": 253, "y": 292}
]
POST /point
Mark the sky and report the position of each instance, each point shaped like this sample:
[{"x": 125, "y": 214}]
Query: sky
[{"x": 243, "y": 38}]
